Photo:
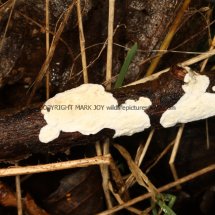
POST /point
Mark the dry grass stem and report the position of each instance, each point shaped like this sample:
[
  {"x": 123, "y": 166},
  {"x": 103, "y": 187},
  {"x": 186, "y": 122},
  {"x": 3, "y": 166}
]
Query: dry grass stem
[
  {"x": 207, "y": 134},
  {"x": 118, "y": 179},
  {"x": 206, "y": 60},
  {"x": 8, "y": 22},
  {"x": 106, "y": 174},
  {"x": 169, "y": 35},
  {"x": 167, "y": 148},
  {"x": 140, "y": 177},
  {"x": 47, "y": 48},
  {"x": 173, "y": 50},
  {"x": 104, "y": 44},
  {"x": 141, "y": 151},
  {"x": 188, "y": 62},
  {"x": 161, "y": 189},
  {"x": 174, "y": 152},
  {"x": 4, "y": 6},
  {"x": 106, "y": 145},
  {"x": 48, "y": 59},
  {"x": 120, "y": 201},
  {"x": 82, "y": 42},
  {"x": 198, "y": 58},
  {"x": 110, "y": 42},
  {"x": 18, "y": 194},
  {"x": 174, "y": 174},
  {"x": 43, "y": 29},
  {"x": 201, "y": 70},
  {"x": 13, "y": 171},
  {"x": 105, "y": 177},
  {"x": 176, "y": 144}
]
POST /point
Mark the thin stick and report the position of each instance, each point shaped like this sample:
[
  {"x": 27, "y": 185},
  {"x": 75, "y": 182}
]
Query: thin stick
[
  {"x": 167, "y": 148},
  {"x": 169, "y": 36},
  {"x": 118, "y": 179},
  {"x": 106, "y": 145},
  {"x": 53, "y": 46},
  {"x": 18, "y": 194},
  {"x": 49, "y": 31},
  {"x": 104, "y": 44},
  {"x": 206, "y": 60},
  {"x": 110, "y": 42},
  {"x": 8, "y": 22},
  {"x": 5, "y": 5},
  {"x": 105, "y": 180},
  {"x": 106, "y": 174},
  {"x": 55, "y": 166},
  {"x": 199, "y": 58},
  {"x": 140, "y": 177},
  {"x": 120, "y": 201},
  {"x": 161, "y": 189},
  {"x": 174, "y": 153},
  {"x": 174, "y": 173},
  {"x": 201, "y": 70},
  {"x": 178, "y": 46},
  {"x": 47, "y": 48},
  {"x": 82, "y": 42},
  {"x": 176, "y": 144},
  {"x": 207, "y": 134},
  {"x": 141, "y": 151},
  {"x": 188, "y": 62}
]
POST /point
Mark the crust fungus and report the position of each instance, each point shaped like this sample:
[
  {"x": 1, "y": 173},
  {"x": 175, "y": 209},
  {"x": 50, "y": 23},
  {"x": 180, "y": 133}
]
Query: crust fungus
[
  {"x": 88, "y": 109},
  {"x": 194, "y": 105}
]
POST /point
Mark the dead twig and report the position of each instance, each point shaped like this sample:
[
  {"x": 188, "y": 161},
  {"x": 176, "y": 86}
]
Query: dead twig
[
  {"x": 141, "y": 151},
  {"x": 8, "y": 22},
  {"x": 105, "y": 179},
  {"x": 188, "y": 62},
  {"x": 169, "y": 36},
  {"x": 43, "y": 29},
  {"x": 161, "y": 189},
  {"x": 106, "y": 145},
  {"x": 13, "y": 171},
  {"x": 47, "y": 48},
  {"x": 110, "y": 42},
  {"x": 141, "y": 178},
  {"x": 167, "y": 148},
  {"x": 120, "y": 201},
  {"x": 82, "y": 42},
  {"x": 53, "y": 46}
]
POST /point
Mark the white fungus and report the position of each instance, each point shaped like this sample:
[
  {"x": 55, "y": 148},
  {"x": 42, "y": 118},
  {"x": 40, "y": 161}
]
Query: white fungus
[
  {"x": 85, "y": 109},
  {"x": 194, "y": 105}
]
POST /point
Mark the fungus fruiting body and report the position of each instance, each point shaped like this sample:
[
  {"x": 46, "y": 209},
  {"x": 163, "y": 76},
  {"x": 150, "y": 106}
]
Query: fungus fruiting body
[
  {"x": 194, "y": 105},
  {"x": 88, "y": 109}
]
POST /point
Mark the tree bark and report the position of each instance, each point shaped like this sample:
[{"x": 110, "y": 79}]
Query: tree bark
[{"x": 20, "y": 129}]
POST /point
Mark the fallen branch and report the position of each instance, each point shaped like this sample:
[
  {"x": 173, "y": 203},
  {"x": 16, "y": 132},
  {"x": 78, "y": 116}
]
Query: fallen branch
[{"x": 20, "y": 129}]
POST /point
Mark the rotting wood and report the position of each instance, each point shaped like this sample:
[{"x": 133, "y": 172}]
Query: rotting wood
[{"x": 19, "y": 130}]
